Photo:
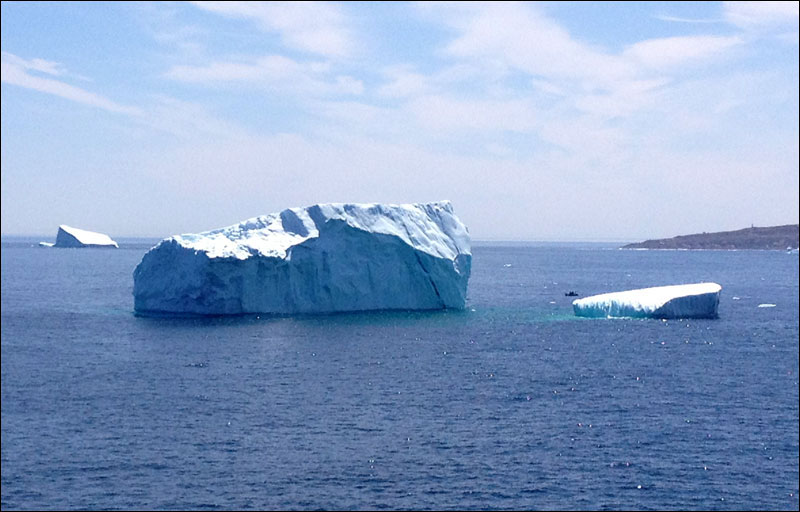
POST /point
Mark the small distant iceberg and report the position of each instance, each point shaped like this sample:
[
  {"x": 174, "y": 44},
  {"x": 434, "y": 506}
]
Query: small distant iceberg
[
  {"x": 699, "y": 300},
  {"x": 73, "y": 237}
]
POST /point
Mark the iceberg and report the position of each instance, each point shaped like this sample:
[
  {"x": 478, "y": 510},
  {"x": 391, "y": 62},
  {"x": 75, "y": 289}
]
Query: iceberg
[
  {"x": 699, "y": 300},
  {"x": 73, "y": 237},
  {"x": 324, "y": 258}
]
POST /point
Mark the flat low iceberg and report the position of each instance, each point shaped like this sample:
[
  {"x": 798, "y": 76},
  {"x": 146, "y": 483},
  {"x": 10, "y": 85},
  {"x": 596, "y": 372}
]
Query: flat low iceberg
[
  {"x": 68, "y": 236},
  {"x": 324, "y": 258},
  {"x": 699, "y": 300}
]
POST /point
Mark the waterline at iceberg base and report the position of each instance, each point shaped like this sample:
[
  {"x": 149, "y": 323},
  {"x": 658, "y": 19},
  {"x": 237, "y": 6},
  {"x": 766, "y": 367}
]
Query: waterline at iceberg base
[{"x": 324, "y": 258}]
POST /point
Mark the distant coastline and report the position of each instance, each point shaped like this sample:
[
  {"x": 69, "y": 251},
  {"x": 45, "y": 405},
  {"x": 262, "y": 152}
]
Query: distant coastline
[{"x": 769, "y": 238}]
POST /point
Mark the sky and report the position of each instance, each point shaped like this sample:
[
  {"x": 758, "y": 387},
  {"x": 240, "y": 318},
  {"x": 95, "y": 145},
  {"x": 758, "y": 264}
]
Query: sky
[{"x": 559, "y": 121}]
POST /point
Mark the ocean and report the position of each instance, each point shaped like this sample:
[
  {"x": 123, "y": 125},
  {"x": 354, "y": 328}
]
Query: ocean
[{"x": 513, "y": 403}]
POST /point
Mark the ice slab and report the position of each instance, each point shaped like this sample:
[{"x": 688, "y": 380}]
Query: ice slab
[
  {"x": 699, "y": 300},
  {"x": 68, "y": 236},
  {"x": 320, "y": 259}
]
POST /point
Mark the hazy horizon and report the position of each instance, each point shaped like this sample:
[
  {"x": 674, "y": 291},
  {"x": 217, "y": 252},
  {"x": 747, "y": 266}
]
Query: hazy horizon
[
  {"x": 47, "y": 237},
  {"x": 551, "y": 121},
  {"x": 598, "y": 240}
]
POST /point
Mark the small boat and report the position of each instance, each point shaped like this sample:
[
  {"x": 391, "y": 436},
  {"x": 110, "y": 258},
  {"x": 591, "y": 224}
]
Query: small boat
[{"x": 571, "y": 294}]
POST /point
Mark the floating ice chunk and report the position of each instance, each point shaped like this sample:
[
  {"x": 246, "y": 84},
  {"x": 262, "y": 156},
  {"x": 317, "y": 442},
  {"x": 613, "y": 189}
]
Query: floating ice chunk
[
  {"x": 73, "y": 237},
  {"x": 320, "y": 259},
  {"x": 699, "y": 300}
]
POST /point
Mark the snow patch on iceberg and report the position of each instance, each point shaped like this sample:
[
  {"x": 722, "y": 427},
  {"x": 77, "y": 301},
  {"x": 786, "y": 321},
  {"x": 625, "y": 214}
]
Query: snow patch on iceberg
[
  {"x": 68, "y": 236},
  {"x": 699, "y": 300},
  {"x": 319, "y": 259}
]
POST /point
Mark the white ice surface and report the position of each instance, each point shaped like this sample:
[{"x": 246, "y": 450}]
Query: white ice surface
[
  {"x": 323, "y": 258},
  {"x": 699, "y": 300},
  {"x": 273, "y": 234},
  {"x": 68, "y": 236}
]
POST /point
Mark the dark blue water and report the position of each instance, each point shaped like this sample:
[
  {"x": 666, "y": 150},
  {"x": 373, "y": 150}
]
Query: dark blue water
[{"x": 511, "y": 404}]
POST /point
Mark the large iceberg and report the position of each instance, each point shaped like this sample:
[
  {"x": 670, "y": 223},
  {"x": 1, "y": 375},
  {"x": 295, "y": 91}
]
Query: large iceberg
[
  {"x": 320, "y": 259},
  {"x": 73, "y": 237},
  {"x": 699, "y": 300}
]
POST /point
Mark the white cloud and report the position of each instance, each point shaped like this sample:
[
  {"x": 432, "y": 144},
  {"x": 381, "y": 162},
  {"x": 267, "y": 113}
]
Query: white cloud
[
  {"x": 14, "y": 72},
  {"x": 523, "y": 38},
  {"x": 181, "y": 119},
  {"x": 351, "y": 112},
  {"x": 585, "y": 139},
  {"x": 625, "y": 99},
  {"x": 188, "y": 121},
  {"x": 269, "y": 68},
  {"x": 519, "y": 36},
  {"x": 403, "y": 82},
  {"x": 678, "y": 19},
  {"x": 751, "y": 15},
  {"x": 348, "y": 85},
  {"x": 275, "y": 71},
  {"x": 182, "y": 39},
  {"x": 675, "y": 51},
  {"x": 315, "y": 27},
  {"x": 41, "y": 65},
  {"x": 547, "y": 87},
  {"x": 496, "y": 40},
  {"x": 446, "y": 114}
]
